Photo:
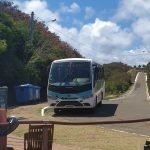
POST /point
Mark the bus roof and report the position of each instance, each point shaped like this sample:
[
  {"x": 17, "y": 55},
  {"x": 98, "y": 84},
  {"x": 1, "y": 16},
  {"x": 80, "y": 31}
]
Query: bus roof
[{"x": 72, "y": 60}]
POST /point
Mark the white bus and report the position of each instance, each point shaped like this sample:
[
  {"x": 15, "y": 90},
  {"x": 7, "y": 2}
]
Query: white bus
[{"x": 75, "y": 83}]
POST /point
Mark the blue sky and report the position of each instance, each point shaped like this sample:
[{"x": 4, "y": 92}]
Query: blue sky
[
  {"x": 104, "y": 30},
  {"x": 97, "y": 9}
]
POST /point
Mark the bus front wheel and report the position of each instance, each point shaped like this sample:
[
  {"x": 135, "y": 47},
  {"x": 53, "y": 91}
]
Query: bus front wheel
[
  {"x": 94, "y": 108},
  {"x": 100, "y": 103}
]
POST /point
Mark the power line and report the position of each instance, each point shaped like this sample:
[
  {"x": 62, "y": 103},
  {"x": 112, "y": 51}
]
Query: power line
[{"x": 83, "y": 44}]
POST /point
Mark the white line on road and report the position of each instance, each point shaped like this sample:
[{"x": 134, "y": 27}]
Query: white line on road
[
  {"x": 130, "y": 133},
  {"x": 119, "y": 131},
  {"x": 147, "y": 93},
  {"x": 43, "y": 110}
]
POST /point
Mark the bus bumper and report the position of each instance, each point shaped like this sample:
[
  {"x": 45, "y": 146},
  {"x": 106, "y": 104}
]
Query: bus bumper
[{"x": 88, "y": 103}]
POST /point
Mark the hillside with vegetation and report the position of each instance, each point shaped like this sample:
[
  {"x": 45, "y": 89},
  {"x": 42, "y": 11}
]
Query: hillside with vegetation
[
  {"x": 23, "y": 61},
  {"x": 119, "y": 77},
  {"x": 147, "y": 70}
]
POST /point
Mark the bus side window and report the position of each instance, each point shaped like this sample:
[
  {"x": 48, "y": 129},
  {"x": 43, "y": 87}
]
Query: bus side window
[
  {"x": 99, "y": 73},
  {"x": 94, "y": 76},
  {"x": 95, "y": 70},
  {"x": 102, "y": 73}
]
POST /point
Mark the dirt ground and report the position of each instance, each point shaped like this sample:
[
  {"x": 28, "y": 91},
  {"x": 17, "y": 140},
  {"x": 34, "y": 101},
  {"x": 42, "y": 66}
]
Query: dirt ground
[
  {"x": 18, "y": 144},
  {"x": 73, "y": 137}
]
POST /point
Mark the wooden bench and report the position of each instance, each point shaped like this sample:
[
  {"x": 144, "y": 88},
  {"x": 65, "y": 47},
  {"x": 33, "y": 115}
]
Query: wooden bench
[
  {"x": 10, "y": 148},
  {"x": 39, "y": 137}
]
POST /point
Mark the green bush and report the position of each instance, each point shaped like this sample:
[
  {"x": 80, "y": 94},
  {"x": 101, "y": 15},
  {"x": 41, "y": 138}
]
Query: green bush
[{"x": 118, "y": 80}]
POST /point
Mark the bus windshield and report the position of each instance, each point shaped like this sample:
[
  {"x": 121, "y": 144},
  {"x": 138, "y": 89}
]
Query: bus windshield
[{"x": 70, "y": 74}]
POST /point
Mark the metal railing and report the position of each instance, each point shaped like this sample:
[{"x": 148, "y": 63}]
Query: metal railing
[{"x": 83, "y": 123}]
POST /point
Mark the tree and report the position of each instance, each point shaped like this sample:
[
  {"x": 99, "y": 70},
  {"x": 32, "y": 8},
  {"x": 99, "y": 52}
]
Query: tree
[
  {"x": 139, "y": 66},
  {"x": 3, "y": 46},
  {"x": 20, "y": 61}
]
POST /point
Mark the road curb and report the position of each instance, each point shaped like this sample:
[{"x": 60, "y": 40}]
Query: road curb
[
  {"x": 147, "y": 93},
  {"x": 43, "y": 110}
]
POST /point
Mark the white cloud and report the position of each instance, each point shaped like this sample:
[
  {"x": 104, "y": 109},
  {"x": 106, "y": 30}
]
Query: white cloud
[
  {"x": 77, "y": 22},
  {"x": 40, "y": 8},
  {"x": 137, "y": 14},
  {"x": 141, "y": 28},
  {"x": 89, "y": 12},
  {"x": 133, "y": 9},
  {"x": 73, "y": 8},
  {"x": 138, "y": 56},
  {"x": 100, "y": 40},
  {"x": 107, "y": 34}
]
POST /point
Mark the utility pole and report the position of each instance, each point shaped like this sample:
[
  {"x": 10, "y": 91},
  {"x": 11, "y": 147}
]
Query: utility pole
[{"x": 31, "y": 27}]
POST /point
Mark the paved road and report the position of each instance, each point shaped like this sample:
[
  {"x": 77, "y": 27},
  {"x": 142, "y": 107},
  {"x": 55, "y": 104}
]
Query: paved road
[
  {"x": 135, "y": 105},
  {"x": 132, "y": 106}
]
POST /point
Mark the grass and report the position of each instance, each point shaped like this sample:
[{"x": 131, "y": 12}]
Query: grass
[
  {"x": 93, "y": 138},
  {"x": 133, "y": 73},
  {"x": 110, "y": 96},
  {"x": 86, "y": 137},
  {"x": 96, "y": 137}
]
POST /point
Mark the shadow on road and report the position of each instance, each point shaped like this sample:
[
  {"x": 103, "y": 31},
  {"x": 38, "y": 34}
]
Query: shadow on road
[{"x": 106, "y": 110}]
